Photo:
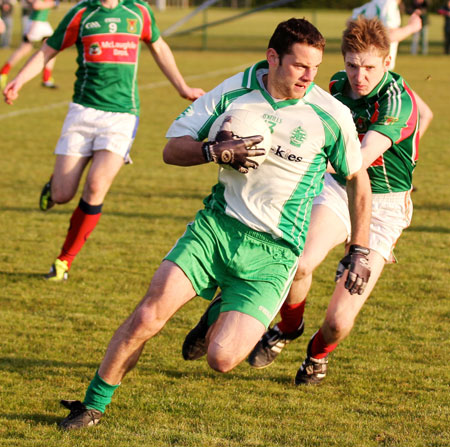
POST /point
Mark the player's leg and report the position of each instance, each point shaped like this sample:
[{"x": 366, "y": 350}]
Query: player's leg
[
  {"x": 169, "y": 290},
  {"x": 105, "y": 137},
  {"x": 22, "y": 51},
  {"x": 47, "y": 74},
  {"x": 231, "y": 338},
  {"x": 326, "y": 231},
  {"x": 340, "y": 318},
  {"x": 102, "y": 171}
]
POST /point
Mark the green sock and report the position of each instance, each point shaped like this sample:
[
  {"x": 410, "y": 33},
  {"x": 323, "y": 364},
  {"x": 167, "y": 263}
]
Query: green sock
[{"x": 99, "y": 394}]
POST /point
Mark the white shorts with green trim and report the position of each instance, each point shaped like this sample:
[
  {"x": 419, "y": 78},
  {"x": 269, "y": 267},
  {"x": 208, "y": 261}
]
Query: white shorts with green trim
[
  {"x": 391, "y": 214},
  {"x": 86, "y": 130}
]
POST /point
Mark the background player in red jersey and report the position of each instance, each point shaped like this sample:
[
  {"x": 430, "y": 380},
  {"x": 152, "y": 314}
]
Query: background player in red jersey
[
  {"x": 103, "y": 117},
  {"x": 386, "y": 116}
]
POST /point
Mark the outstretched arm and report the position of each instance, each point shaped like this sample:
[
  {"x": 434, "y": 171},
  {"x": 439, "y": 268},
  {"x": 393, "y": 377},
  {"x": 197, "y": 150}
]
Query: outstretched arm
[
  {"x": 33, "y": 67},
  {"x": 43, "y": 4},
  {"x": 414, "y": 24},
  {"x": 163, "y": 56},
  {"x": 360, "y": 207}
]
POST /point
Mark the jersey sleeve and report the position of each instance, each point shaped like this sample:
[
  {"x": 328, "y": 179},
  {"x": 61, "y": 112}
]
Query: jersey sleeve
[
  {"x": 397, "y": 114},
  {"x": 197, "y": 119},
  {"x": 342, "y": 144},
  {"x": 67, "y": 32},
  {"x": 150, "y": 31}
]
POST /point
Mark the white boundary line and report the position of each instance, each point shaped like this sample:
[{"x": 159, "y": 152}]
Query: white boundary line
[{"x": 151, "y": 86}]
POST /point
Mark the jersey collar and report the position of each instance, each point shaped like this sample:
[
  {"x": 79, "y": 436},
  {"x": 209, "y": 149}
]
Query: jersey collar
[{"x": 250, "y": 81}]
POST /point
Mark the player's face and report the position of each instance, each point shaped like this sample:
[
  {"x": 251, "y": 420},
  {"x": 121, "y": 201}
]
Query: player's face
[
  {"x": 365, "y": 71},
  {"x": 290, "y": 78}
]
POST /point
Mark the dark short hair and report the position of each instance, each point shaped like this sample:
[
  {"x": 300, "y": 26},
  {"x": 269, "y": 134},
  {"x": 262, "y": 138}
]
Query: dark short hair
[
  {"x": 362, "y": 35},
  {"x": 295, "y": 31}
]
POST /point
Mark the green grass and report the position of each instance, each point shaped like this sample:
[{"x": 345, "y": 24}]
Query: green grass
[{"x": 388, "y": 383}]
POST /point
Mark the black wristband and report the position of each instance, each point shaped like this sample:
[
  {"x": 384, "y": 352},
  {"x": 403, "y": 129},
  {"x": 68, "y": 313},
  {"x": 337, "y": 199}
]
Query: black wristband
[
  {"x": 359, "y": 249},
  {"x": 206, "y": 150}
]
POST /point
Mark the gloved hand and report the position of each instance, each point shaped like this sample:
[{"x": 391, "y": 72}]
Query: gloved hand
[
  {"x": 228, "y": 149},
  {"x": 357, "y": 263}
]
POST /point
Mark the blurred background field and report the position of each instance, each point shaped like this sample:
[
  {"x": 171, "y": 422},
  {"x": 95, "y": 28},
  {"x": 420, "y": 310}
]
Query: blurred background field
[{"x": 388, "y": 383}]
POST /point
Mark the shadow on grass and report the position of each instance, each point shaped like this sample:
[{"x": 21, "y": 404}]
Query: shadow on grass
[
  {"x": 424, "y": 229},
  {"x": 21, "y": 364},
  {"x": 108, "y": 213},
  {"x": 12, "y": 276},
  {"x": 34, "y": 418},
  {"x": 229, "y": 377}
]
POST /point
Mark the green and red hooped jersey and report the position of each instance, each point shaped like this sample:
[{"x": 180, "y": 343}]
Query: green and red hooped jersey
[
  {"x": 391, "y": 110},
  {"x": 108, "y": 44}
]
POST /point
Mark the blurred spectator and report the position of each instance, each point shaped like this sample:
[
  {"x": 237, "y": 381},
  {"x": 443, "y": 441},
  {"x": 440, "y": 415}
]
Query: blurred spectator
[
  {"x": 6, "y": 10},
  {"x": 445, "y": 11},
  {"x": 421, "y": 8},
  {"x": 27, "y": 9}
]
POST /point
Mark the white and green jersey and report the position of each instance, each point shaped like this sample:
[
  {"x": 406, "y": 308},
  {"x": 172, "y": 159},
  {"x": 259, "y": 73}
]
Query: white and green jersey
[
  {"x": 277, "y": 197},
  {"x": 389, "y": 14},
  {"x": 108, "y": 45}
]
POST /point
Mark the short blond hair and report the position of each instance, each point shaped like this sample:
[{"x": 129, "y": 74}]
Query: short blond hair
[{"x": 362, "y": 35}]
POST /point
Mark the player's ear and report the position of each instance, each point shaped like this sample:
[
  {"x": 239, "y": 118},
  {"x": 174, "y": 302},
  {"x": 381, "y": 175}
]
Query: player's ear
[
  {"x": 272, "y": 57},
  {"x": 387, "y": 62}
]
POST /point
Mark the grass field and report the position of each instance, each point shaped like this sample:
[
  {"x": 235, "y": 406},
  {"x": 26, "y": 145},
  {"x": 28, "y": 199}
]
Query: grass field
[{"x": 388, "y": 383}]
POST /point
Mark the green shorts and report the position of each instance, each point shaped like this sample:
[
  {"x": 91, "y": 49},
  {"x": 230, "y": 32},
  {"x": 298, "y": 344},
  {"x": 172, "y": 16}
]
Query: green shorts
[{"x": 253, "y": 270}]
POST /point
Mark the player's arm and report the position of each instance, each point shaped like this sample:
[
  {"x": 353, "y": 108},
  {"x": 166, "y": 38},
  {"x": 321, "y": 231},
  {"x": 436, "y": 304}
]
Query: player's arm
[
  {"x": 185, "y": 151},
  {"x": 425, "y": 114},
  {"x": 373, "y": 145},
  {"x": 33, "y": 67},
  {"x": 359, "y": 195},
  {"x": 163, "y": 56},
  {"x": 414, "y": 24},
  {"x": 43, "y": 4}
]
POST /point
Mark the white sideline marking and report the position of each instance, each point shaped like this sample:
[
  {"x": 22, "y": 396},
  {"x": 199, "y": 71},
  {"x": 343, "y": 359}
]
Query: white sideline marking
[{"x": 150, "y": 86}]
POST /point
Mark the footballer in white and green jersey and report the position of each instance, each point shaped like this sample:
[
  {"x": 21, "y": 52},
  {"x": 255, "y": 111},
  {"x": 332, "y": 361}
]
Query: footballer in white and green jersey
[
  {"x": 390, "y": 109},
  {"x": 277, "y": 197},
  {"x": 108, "y": 47}
]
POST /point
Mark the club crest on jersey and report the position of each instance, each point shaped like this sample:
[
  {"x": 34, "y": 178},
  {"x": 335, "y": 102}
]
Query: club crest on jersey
[
  {"x": 389, "y": 120},
  {"x": 95, "y": 49},
  {"x": 131, "y": 25},
  {"x": 297, "y": 137}
]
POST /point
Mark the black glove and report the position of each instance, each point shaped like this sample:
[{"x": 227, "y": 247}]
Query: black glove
[
  {"x": 357, "y": 263},
  {"x": 227, "y": 149}
]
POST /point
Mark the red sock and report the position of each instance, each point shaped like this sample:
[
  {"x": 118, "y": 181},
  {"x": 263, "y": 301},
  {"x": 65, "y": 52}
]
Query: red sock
[
  {"x": 318, "y": 348},
  {"x": 82, "y": 223},
  {"x": 5, "y": 69},
  {"x": 46, "y": 74},
  {"x": 291, "y": 316}
]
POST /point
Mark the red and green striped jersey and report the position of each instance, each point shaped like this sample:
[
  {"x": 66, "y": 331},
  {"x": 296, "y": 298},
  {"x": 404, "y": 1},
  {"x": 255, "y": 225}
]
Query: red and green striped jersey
[
  {"x": 391, "y": 110},
  {"x": 108, "y": 44}
]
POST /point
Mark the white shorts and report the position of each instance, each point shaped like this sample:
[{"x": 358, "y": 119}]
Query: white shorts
[
  {"x": 86, "y": 130},
  {"x": 36, "y": 30},
  {"x": 391, "y": 214}
]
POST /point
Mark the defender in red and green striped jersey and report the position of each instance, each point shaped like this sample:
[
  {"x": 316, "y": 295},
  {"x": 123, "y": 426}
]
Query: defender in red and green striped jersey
[
  {"x": 108, "y": 51},
  {"x": 385, "y": 112},
  {"x": 391, "y": 110},
  {"x": 103, "y": 117}
]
